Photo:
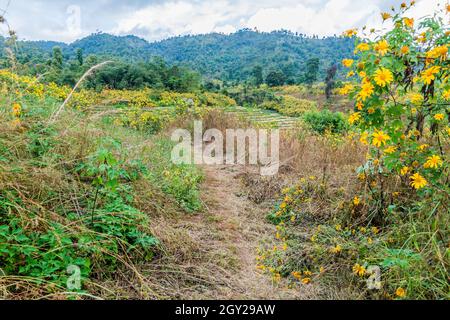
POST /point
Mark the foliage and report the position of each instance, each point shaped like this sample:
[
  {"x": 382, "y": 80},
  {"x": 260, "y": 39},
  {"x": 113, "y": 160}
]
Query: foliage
[
  {"x": 396, "y": 220},
  {"x": 325, "y": 121},
  {"x": 230, "y": 58}
]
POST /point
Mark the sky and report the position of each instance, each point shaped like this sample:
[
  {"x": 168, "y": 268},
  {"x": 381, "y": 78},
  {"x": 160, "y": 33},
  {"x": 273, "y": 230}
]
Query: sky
[{"x": 154, "y": 20}]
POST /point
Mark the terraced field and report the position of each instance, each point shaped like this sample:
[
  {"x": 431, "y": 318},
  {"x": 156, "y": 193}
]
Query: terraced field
[
  {"x": 255, "y": 115},
  {"x": 264, "y": 117}
]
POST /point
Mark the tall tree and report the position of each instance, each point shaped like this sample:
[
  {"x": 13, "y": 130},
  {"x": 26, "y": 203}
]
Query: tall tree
[
  {"x": 257, "y": 73},
  {"x": 275, "y": 78},
  {"x": 312, "y": 70},
  {"x": 57, "y": 60},
  {"x": 79, "y": 55}
]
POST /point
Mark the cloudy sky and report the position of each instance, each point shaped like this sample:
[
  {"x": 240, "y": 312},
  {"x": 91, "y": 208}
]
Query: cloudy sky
[{"x": 68, "y": 20}]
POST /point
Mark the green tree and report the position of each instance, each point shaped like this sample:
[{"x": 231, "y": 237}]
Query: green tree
[
  {"x": 312, "y": 71},
  {"x": 257, "y": 73},
  {"x": 57, "y": 61},
  {"x": 275, "y": 78},
  {"x": 79, "y": 55}
]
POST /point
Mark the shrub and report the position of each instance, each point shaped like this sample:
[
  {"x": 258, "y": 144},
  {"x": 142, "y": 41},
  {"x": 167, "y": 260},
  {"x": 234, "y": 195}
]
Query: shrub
[{"x": 325, "y": 121}]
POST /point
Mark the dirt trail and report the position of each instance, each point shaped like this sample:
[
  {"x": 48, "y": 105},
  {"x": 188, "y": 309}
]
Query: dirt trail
[{"x": 240, "y": 228}]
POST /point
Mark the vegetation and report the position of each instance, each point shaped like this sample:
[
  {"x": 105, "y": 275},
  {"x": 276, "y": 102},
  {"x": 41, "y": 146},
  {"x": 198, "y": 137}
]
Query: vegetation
[
  {"x": 386, "y": 233},
  {"x": 214, "y": 56},
  {"x": 91, "y": 206}
]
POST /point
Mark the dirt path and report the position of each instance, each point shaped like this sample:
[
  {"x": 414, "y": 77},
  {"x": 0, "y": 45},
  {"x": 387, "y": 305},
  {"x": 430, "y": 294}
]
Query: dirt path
[{"x": 240, "y": 228}]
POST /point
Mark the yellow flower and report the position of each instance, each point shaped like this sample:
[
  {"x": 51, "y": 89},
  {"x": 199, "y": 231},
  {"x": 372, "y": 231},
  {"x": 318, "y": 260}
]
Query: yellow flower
[
  {"x": 446, "y": 94},
  {"x": 438, "y": 52},
  {"x": 400, "y": 292},
  {"x": 404, "y": 50},
  {"x": 423, "y": 147},
  {"x": 385, "y": 16},
  {"x": 416, "y": 98},
  {"x": 338, "y": 227},
  {"x": 382, "y": 47},
  {"x": 369, "y": 240},
  {"x": 375, "y": 230},
  {"x": 356, "y": 201},
  {"x": 404, "y": 171},
  {"x": 16, "y": 109},
  {"x": 354, "y": 117},
  {"x": 359, "y": 270},
  {"x": 379, "y": 138},
  {"x": 433, "y": 162},
  {"x": 370, "y": 110},
  {"x": 439, "y": 117},
  {"x": 306, "y": 280},
  {"x": 297, "y": 275},
  {"x": 307, "y": 273},
  {"x": 283, "y": 205},
  {"x": 383, "y": 77},
  {"x": 417, "y": 181},
  {"x": 409, "y": 22},
  {"x": 346, "y": 89},
  {"x": 428, "y": 75},
  {"x": 347, "y": 63},
  {"x": 321, "y": 269},
  {"x": 359, "y": 105},
  {"x": 367, "y": 90},
  {"x": 390, "y": 150},
  {"x": 362, "y": 47},
  {"x": 363, "y": 138},
  {"x": 336, "y": 249},
  {"x": 350, "y": 33}
]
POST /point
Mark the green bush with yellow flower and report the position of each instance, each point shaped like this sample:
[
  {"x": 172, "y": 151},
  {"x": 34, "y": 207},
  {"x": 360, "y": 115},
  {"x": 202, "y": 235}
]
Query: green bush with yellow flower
[{"x": 397, "y": 222}]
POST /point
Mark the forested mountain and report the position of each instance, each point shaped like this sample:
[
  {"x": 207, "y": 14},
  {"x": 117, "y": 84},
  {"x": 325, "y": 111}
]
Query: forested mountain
[{"x": 216, "y": 56}]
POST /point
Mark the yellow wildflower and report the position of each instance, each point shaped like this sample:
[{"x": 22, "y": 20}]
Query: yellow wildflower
[
  {"x": 379, "y": 138},
  {"x": 428, "y": 75},
  {"x": 404, "y": 50},
  {"x": 306, "y": 280},
  {"x": 439, "y": 117},
  {"x": 350, "y": 33},
  {"x": 390, "y": 150},
  {"x": 409, "y": 22},
  {"x": 383, "y": 77},
  {"x": 359, "y": 270},
  {"x": 433, "y": 162},
  {"x": 16, "y": 109},
  {"x": 346, "y": 89},
  {"x": 417, "y": 181},
  {"x": 363, "y": 138},
  {"x": 356, "y": 201},
  {"x": 404, "y": 171},
  {"x": 367, "y": 90},
  {"x": 362, "y": 47},
  {"x": 347, "y": 63},
  {"x": 416, "y": 98},
  {"x": 336, "y": 249},
  {"x": 382, "y": 47},
  {"x": 375, "y": 230},
  {"x": 400, "y": 292},
  {"x": 354, "y": 117},
  {"x": 385, "y": 16},
  {"x": 446, "y": 94}
]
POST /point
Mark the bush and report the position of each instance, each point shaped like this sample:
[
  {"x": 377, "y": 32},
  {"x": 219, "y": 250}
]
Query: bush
[{"x": 325, "y": 121}]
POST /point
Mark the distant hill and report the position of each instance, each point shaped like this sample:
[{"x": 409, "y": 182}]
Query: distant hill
[{"x": 227, "y": 57}]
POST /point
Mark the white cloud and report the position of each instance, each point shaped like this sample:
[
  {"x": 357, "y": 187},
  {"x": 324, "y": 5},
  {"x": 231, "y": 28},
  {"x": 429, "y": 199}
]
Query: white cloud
[
  {"x": 159, "y": 19},
  {"x": 332, "y": 18},
  {"x": 181, "y": 17}
]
